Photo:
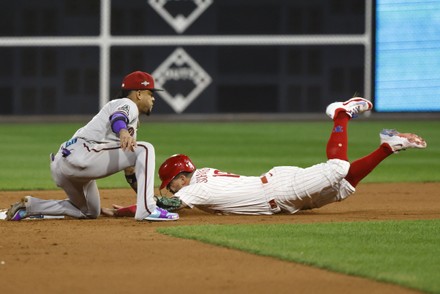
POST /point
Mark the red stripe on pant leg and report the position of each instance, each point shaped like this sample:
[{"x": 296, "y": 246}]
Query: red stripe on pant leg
[{"x": 146, "y": 177}]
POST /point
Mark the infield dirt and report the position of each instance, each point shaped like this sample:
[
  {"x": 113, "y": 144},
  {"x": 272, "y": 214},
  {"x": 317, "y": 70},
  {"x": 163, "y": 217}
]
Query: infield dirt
[{"x": 121, "y": 255}]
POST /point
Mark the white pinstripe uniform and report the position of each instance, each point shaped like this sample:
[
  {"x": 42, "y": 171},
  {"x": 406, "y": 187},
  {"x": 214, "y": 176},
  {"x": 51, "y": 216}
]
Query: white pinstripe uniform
[
  {"x": 282, "y": 189},
  {"x": 94, "y": 152}
]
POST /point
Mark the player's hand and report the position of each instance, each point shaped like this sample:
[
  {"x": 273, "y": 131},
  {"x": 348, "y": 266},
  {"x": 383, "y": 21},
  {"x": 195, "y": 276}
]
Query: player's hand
[
  {"x": 127, "y": 141},
  {"x": 110, "y": 212},
  {"x": 116, "y": 207}
]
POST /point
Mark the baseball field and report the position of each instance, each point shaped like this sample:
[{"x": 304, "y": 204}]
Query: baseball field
[{"x": 384, "y": 239}]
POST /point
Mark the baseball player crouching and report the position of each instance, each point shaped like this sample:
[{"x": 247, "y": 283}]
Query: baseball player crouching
[
  {"x": 285, "y": 189},
  {"x": 104, "y": 146}
]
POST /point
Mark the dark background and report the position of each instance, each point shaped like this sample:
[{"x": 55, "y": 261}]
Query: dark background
[{"x": 245, "y": 79}]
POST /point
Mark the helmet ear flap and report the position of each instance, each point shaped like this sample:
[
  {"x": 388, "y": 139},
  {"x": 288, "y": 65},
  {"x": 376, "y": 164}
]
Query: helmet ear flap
[{"x": 173, "y": 166}]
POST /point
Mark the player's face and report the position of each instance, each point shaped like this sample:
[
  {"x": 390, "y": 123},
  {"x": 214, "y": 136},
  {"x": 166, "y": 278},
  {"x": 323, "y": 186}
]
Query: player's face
[
  {"x": 146, "y": 101},
  {"x": 176, "y": 184}
]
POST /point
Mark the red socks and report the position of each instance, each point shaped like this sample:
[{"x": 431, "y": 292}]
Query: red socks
[
  {"x": 360, "y": 168},
  {"x": 337, "y": 149},
  {"x": 337, "y": 144}
]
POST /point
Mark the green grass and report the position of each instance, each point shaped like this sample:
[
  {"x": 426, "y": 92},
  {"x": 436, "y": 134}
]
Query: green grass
[
  {"x": 406, "y": 253},
  {"x": 244, "y": 148}
]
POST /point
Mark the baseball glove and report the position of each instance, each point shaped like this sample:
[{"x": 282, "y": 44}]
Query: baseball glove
[{"x": 168, "y": 203}]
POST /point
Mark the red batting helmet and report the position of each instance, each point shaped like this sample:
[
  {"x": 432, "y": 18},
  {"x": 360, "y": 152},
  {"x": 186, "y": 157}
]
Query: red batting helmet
[{"x": 173, "y": 166}]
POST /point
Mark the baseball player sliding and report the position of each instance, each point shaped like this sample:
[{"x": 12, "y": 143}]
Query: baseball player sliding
[
  {"x": 104, "y": 146},
  {"x": 282, "y": 189}
]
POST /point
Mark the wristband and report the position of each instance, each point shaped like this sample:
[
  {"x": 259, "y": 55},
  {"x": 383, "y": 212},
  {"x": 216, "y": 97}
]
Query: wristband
[{"x": 118, "y": 122}]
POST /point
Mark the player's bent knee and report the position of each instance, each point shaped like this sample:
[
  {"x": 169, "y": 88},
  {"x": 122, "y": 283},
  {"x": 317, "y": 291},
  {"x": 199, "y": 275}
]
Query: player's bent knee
[
  {"x": 345, "y": 190},
  {"x": 339, "y": 167},
  {"x": 145, "y": 146},
  {"x": 93, "y": 214}
]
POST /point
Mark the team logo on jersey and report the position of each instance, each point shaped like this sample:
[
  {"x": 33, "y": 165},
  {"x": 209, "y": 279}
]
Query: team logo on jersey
[
  {"x": 182, "y": 79},
  {"x": 124, "y": 109},
  {"x": 180, "y": 14}
]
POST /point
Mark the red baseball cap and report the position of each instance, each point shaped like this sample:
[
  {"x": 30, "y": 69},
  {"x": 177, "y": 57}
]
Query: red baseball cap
[{"x": 139, "y": 80}]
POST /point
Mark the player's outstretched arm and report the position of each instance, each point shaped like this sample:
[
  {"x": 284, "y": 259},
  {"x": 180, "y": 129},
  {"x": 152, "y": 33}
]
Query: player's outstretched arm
[
  {"x": 168, "y": 203},
  {"x": 110, "y": 212},
  {"x": 119, "y": 211}
]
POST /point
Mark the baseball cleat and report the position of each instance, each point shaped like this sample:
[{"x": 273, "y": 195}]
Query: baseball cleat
[
  {"x": 160, "y": 214},
  {"x": 17, "y": 211},
  {"x": 352, "y": 107},
  {"x": 401, "y": 141}
]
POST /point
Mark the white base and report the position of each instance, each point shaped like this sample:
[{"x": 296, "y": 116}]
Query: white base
[{"x": 34, "y": 217}]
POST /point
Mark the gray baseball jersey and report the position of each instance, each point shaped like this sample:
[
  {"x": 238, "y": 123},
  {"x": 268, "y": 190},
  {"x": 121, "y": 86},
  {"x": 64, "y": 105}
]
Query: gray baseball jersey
[
  {"x": 284, "y": 188},
  {"x": 99, "y": 129},
  {"x": 94, "y": 153}
]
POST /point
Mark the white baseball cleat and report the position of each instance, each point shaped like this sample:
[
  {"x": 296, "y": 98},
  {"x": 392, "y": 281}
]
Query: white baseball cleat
[
  {"x": 353, "y": 107},
  {"x": 401, "y": 141}
]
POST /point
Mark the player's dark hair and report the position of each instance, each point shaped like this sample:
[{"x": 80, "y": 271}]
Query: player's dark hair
[
  {"x": 123, "y": 93},
  {"x": 186, "y": 174}
]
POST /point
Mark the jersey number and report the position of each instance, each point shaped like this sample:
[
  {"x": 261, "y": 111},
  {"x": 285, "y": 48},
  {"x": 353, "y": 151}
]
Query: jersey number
[{"x": 218, "y": 173}]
